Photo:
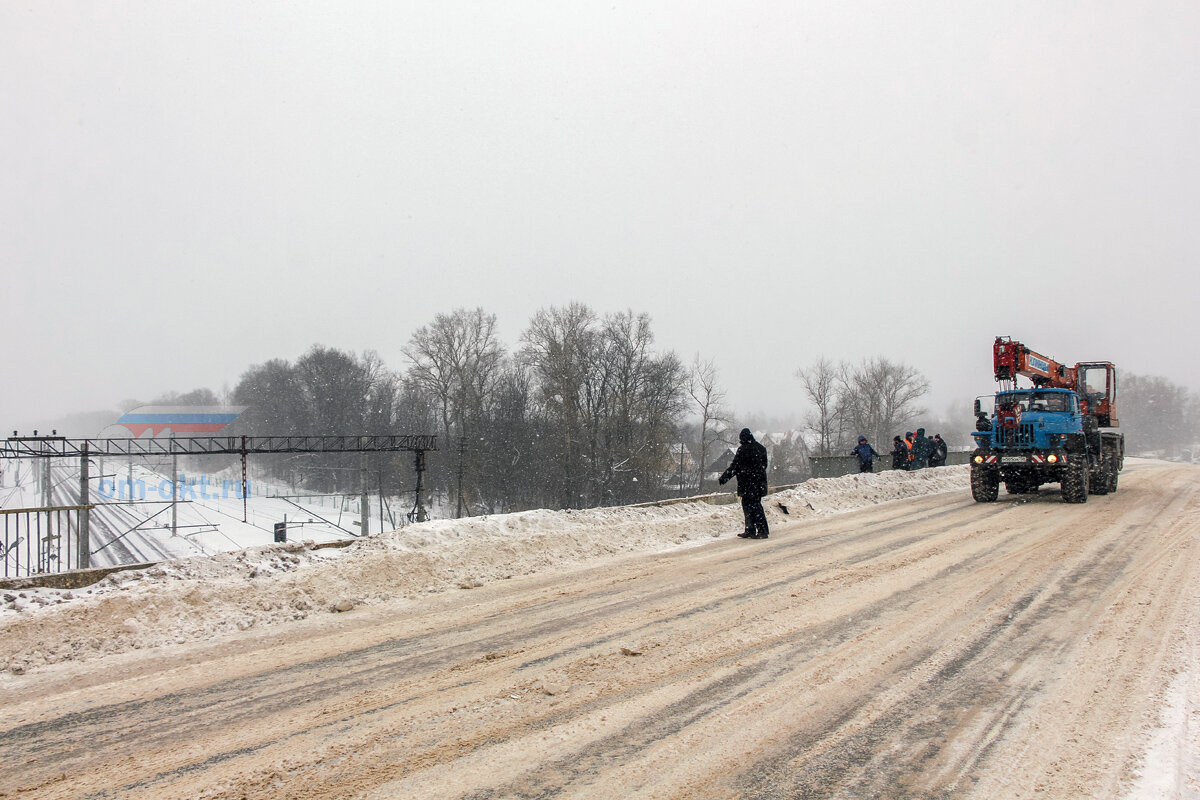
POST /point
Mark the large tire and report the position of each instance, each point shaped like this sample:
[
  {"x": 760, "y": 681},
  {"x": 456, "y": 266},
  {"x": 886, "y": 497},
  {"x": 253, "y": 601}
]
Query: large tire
[
  {"x": 1113, "y": 472},
  {"x": 1075, "y": 481},
  {"x": 1100, "y": 480},
  {"x": 985, "y": 484}
]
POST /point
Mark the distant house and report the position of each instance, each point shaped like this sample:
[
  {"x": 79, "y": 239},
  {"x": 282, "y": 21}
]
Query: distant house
[
  {"x": 719, "y": 465},
  {"x": 682, "y": 476},
  {"x": 787, "y": 458}
]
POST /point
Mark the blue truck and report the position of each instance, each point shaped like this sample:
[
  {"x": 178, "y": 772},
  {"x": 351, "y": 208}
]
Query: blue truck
[{"x": 1061, "y": 430}]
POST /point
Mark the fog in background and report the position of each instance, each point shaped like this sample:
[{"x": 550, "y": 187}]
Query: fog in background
[{"x": 190, "y": 189}]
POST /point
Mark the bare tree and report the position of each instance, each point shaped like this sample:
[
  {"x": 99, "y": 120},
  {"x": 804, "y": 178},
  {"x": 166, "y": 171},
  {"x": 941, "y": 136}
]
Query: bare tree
[
  {"x": 642, "y": 392},
  {"x": 561, "y": 346},
  {"x": 663, "y": 403},
  {"x": 336, "y": 387},
  {"x": 609, "y": 405},
  {"x": 457, "y": 359},
  {"x": 326, "y": 391},
  {"x": 1157, "y": 416},
  {"x": 272, "y": 394},
  {"x": 879, "y": 396},
  {"x": 512, "y": 470},
  {"x": 337, "y": 394},
  {"x": 708, "y": 398},
  {"x": 823, "y": 386}
]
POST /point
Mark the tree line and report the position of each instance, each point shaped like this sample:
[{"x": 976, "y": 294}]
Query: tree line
[
  {"x": 875, "y": 398},
  {"x": 1157, "y": 416},
  {"x": 583, "y": 411}
]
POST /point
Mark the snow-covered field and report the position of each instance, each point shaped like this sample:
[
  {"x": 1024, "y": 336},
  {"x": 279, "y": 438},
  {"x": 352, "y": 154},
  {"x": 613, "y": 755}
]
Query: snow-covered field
[
  {"x": 188, "y": 599},
  {"x": 208, "y": 516}
]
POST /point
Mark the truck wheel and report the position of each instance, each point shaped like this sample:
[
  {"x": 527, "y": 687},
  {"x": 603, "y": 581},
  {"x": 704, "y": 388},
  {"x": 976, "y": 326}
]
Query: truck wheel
[
  {"x": 985, "y": 484},
  {"x": 1075, "y": 482},
  {"x": 1098, "y": 481},
  {"x": 1113, "y": 472}
]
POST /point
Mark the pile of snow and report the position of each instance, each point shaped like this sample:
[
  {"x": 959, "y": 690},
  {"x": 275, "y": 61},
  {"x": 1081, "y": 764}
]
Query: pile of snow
[{"x": 185, "y": 600}]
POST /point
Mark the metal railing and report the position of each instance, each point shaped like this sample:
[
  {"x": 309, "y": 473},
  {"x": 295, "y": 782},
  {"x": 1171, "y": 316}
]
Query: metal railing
[{"x": 42, "y": 540}]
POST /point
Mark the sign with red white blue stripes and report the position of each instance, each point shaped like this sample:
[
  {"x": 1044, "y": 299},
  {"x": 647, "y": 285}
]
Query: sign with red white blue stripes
[{"x": 179, "y": 419}]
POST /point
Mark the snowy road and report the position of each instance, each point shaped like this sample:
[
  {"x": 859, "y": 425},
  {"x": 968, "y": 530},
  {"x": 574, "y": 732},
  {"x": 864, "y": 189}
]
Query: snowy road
[{"x": 930, "y": 647}]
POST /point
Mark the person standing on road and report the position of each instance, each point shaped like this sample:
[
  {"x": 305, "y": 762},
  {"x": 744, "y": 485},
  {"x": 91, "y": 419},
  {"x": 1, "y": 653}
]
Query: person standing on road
[
  {"x": 866, "y": 455},
  {"x": 749, "y": 465},
  {"x": 899, "y": 453}
]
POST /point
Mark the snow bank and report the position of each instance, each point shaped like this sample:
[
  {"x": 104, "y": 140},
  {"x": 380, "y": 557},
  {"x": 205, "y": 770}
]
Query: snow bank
[{"x": 197, "y": 598}]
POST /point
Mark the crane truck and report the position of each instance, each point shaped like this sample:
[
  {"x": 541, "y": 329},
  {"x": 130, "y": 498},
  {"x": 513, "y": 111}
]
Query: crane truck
[{"x": 1061, "y": 430}]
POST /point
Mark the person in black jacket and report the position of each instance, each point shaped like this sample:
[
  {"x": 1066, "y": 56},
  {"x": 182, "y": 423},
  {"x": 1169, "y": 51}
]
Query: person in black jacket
[
  {"x": 922, "y": 447},
  {"x": 899, "y": 453},
  {"x": 937, "y": 457},
  {"x": 749, "y": 465}
]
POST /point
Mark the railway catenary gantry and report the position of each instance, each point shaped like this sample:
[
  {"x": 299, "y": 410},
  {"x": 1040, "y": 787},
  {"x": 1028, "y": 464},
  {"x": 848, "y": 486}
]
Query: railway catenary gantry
[
  {"x": 59, "y": 446},
  {"x": 54, "y": 446}
]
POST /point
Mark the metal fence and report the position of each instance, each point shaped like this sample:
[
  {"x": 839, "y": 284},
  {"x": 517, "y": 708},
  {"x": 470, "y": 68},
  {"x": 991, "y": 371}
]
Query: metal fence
[{"x": 42, "y": 540}]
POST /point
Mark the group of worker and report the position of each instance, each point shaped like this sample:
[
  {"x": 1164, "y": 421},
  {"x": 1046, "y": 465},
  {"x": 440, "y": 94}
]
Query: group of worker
[{"x": 914, "y": 451}]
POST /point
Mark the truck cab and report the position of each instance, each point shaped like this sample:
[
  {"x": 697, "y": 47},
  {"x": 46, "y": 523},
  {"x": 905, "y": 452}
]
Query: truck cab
[{"x": 1029, "y": 419}]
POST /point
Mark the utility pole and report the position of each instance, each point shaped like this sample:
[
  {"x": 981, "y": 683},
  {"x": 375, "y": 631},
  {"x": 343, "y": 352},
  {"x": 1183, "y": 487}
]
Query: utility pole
[
  {"x": 462, "y": 449},
  {"x": 419, "y": 465},
  {"x": 47, "y": 484},
  {"x": 174, "y": 493},
  {"x": 82, "y": 545},
  {"x": 379, "y": 478},
  {"x": 245, "y": 502},
  {"x": 681, "y": 469}
]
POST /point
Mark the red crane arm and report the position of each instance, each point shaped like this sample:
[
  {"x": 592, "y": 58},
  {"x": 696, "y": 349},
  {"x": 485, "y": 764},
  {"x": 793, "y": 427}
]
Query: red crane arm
[
  {"x": 1094, "y": 381},
  {"x": 1011, "y": 359}
]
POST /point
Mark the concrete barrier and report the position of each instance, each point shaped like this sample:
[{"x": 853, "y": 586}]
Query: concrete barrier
[
  {"x": 70, "y": 579},
  {"x": 837, "y": 466},
  {"x": 80, "y": 578}
]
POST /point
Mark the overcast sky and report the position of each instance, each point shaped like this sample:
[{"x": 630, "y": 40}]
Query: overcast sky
[{"x": 187, "y": 189}]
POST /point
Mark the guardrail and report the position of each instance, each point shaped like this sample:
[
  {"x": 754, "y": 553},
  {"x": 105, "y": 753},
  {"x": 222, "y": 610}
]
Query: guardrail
[{"x": 42, "y": 540}]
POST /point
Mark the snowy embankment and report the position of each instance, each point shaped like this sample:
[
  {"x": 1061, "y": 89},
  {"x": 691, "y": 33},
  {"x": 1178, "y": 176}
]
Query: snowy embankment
[{"x": 186, "y": 600}]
